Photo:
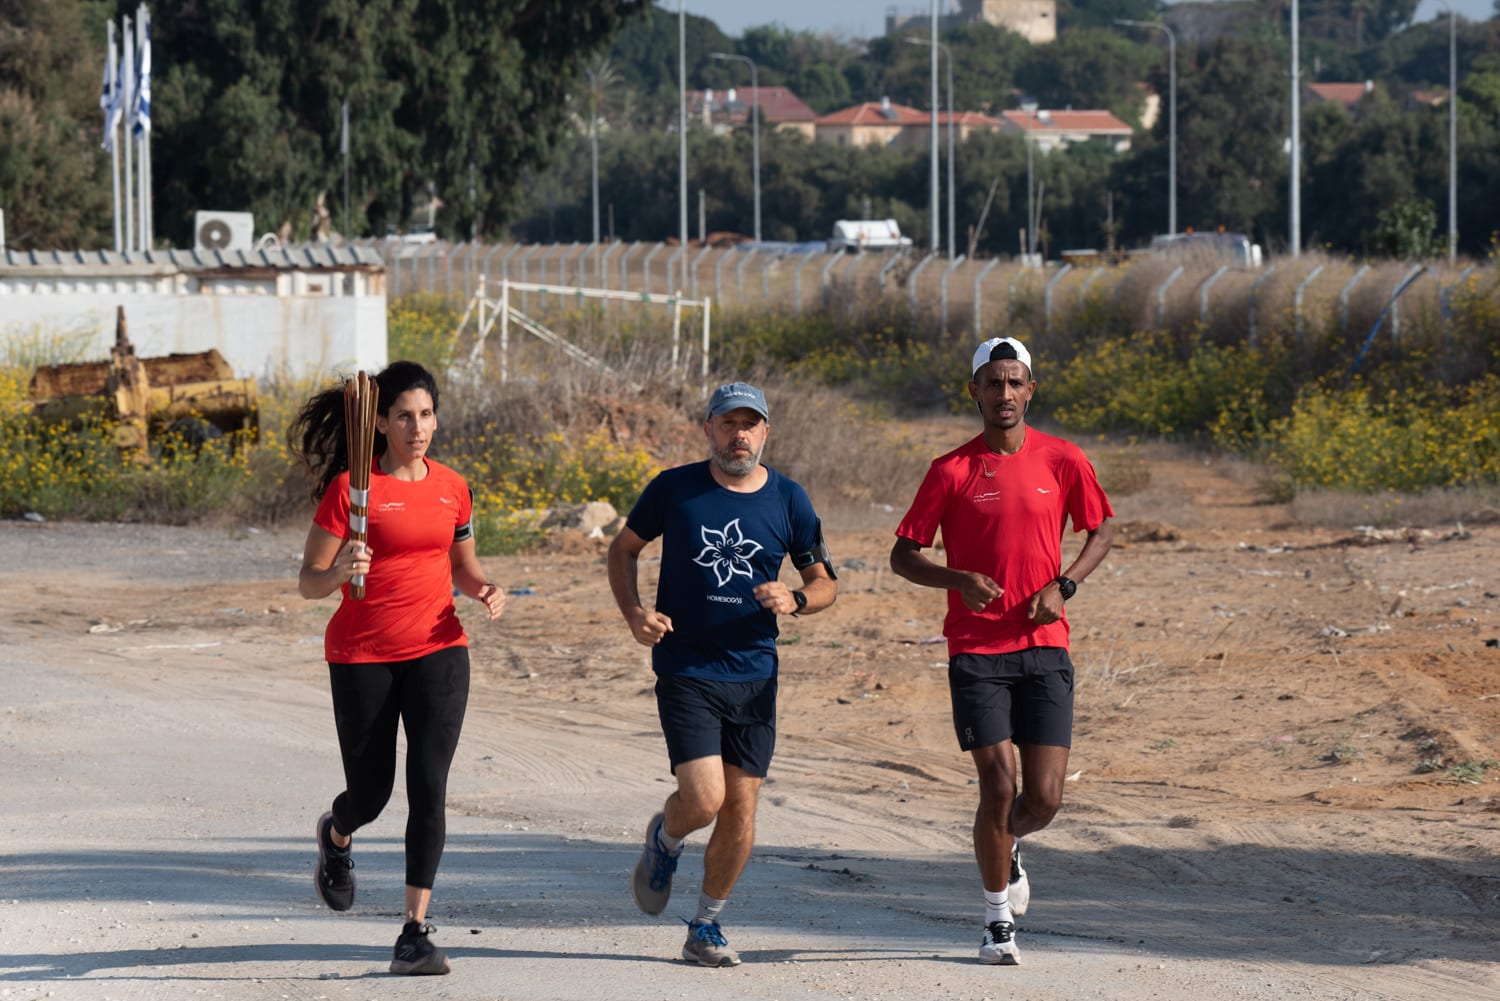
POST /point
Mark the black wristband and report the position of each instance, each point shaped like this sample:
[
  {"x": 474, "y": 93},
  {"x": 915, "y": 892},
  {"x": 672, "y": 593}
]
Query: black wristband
[{"x": 801, "y": 600}]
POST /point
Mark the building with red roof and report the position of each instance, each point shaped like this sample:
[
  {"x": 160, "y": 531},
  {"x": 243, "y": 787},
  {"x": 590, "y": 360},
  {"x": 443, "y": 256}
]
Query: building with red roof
[
  {"x": 1056, "y": 129},
  {"x": 780, "y": 109}
]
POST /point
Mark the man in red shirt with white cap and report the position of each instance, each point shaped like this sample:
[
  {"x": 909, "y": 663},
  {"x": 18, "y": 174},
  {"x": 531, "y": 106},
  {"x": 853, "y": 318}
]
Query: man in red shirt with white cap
[{"x": 1001, "y": 501}]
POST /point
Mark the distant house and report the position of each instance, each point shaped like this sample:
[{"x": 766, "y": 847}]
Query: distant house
[
  {"x": 873, "y": 123},
  {"x": 780, "y": 109},
  {"x": 886, "y": 124},
  {"x": 1421, "y": 98},
  {"x": 1057, "y": 129},
  {"x": 1346, "y": 95}
]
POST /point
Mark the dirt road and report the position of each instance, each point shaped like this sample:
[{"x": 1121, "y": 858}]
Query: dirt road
[{"x": 1285, "y": 782}]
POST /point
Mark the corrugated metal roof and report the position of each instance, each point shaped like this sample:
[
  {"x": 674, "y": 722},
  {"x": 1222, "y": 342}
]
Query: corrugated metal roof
[{"x": 303, "y": 256}]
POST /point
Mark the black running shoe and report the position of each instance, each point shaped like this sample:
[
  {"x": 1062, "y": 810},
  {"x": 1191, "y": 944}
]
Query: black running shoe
[
  {"x": 334, "y": 877},
  {"x": 415, "y": 954}
]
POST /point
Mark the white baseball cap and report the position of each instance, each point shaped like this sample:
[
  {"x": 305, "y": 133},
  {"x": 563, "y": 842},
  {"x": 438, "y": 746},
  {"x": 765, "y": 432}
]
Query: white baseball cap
[{"x": 1000, "y": 349}]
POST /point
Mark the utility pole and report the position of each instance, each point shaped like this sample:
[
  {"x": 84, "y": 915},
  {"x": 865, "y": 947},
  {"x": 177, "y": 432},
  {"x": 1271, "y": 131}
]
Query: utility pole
[
  {"x": 682, "y": 187},
  {"x": 934, "y": 172},
  {"x": 754, "y": 129},
  {"x": 1294, "y": 223}
]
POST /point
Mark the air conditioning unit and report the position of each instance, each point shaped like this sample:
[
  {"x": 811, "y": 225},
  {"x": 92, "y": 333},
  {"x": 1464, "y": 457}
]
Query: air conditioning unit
[{"x": 223, "y": 231}]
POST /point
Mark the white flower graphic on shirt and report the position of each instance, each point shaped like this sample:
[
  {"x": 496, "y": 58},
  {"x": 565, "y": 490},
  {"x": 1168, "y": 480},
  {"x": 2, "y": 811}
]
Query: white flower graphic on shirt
[{"x": 727, "y": 552}]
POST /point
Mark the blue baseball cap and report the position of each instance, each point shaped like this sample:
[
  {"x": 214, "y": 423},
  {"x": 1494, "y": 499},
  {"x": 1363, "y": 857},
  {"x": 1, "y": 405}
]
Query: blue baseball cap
[{"x": 734, "y": 396}]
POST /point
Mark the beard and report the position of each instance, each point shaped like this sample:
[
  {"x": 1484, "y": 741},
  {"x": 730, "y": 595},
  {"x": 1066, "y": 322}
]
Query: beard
[{"x": 736, "y": 467}]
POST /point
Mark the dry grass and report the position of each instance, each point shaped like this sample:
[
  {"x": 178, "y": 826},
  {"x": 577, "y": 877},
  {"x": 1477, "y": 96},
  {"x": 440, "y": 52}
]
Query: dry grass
[
  {"x": 855, "y": 464},
  {"x": 1430, "y": 509}
]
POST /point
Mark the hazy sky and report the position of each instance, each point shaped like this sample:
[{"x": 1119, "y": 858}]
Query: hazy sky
[{"x": 866, "y": 18}]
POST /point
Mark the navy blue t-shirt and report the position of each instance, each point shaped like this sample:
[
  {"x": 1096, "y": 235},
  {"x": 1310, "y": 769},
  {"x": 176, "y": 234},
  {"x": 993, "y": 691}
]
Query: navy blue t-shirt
[{"x": 716, "y": 546}]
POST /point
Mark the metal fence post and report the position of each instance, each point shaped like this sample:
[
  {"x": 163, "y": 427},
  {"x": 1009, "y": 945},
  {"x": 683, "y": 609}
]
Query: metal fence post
[
  {"x": 826, "y": 290},
  {"x": 1083, "y": 288},
  {"x": 739, "y": 271},
  {"x": 646, "y": 268},
  {"x": 672, "y": 270},
  {"x": 1344, "y": 297},
  {"x": 525, "y": 263},
  {"x": 718, "y": 276},
  {"x": 1161, "y": 296},
  {"x": 604, "y": 263},
  {"x": 1390, "y": 308},
  {"x": 625, "y": 265},
  {"x": 1297, "y": 300},
  {"x": 1405, "y": 283},
  {"x": 911, "y": 282},
  {"x": 1010, "y": 293},
  {"x": 797, "y": 281},
  {"x": 978, "y": 294},
  {"x": 484, "y": 267},
  {"x": 693, "y": 278},
  {"x": 1047, "y": 296},
  {"x": 944, "y": 287},
  {"x": 1203, "y": 293},
  {"x": 848, "y": 277},
  {"x": 1254, "y": 297},
  {"x": 880, "y": 282}
]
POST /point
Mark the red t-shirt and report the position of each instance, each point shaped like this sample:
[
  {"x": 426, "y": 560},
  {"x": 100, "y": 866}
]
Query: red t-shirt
[
  {"x": 407, "y": 611},
  {"x": 1003, "y": 515}
]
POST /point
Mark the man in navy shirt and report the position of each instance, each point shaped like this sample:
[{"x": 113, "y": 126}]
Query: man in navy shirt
[{"x": 725, "y": 526}]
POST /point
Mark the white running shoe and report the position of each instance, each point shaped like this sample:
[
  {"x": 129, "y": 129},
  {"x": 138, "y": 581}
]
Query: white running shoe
[{"x": 998, "y": 946}]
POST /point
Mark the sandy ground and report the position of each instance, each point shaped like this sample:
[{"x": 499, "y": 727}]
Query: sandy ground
[{"x": 1278, "y": 786}]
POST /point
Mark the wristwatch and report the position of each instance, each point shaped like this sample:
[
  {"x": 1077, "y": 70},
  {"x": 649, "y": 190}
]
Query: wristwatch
[
  {"x": 1067, "y": 586},
  {"x": 801, "y": 600}
]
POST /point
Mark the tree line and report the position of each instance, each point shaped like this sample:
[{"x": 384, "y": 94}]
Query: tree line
[{"x": 478, "y": 112}]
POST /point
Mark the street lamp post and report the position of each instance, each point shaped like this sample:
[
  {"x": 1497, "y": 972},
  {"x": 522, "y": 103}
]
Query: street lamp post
[
  {"x": 682, "y": 181},
  {"x": 1029, "y": 106},
  {"x": 1452, "y": 135},
  {"x": 933, "y": 178},
  {"x": 1171, "y": 114},
  {"x": 1294, "y": 210},
  {"x": 594, "y": 145},
  {"x": 948, "y": 54},
  {"x": 754, "y": 128}
]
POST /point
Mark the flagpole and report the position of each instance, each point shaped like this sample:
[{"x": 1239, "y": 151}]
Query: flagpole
[
  {"x": 109, "y": 99},
  {"x": 344, "y": 148},
  {"x": 141, "y": 112},
  {"x": 127, "y": 101}
]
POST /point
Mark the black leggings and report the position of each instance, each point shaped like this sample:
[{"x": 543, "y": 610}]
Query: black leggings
[{"x": 428, "y": 695}]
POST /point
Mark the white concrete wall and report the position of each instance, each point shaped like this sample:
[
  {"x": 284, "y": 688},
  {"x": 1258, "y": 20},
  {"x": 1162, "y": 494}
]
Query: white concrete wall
[{"x": 259, "y": 335}]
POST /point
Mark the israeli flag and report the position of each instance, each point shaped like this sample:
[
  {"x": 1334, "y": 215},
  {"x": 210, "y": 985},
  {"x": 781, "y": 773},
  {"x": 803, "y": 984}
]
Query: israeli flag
[
  {"x": 141, "y": 113},
  {"x": 109, "y": 94}
]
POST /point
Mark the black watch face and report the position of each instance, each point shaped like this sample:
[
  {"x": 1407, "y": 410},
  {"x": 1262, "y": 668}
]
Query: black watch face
[{"x": 1067, "y": 587}]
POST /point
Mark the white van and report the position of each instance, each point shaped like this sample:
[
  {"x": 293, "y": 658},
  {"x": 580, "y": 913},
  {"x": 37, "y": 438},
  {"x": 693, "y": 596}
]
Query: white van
[{"x": 867, "y": 234}]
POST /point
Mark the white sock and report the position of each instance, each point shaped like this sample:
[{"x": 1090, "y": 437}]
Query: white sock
[
  {"x": 997, "y": 906},
  {"x": 709, "y": 908},
  {"x": 666, "y": 842}
]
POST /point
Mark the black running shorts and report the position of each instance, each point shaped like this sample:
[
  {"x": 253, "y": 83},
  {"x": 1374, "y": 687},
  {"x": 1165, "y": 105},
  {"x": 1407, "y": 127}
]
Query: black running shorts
[
  {"x": 1026, "y": 696},
  {"x": 735, "y": 720}
]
